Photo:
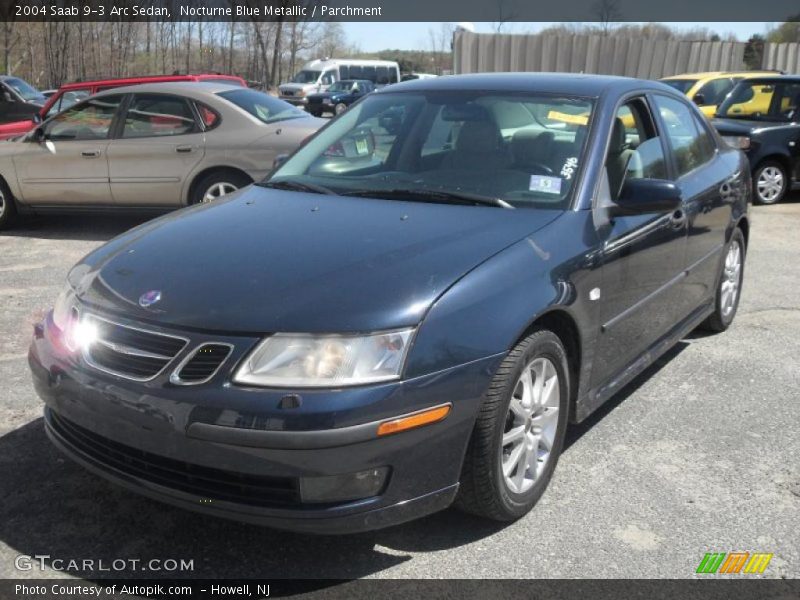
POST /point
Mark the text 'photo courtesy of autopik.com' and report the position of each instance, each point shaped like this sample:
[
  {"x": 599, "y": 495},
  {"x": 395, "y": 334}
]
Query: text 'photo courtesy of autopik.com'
[{"x": 393, "y": 299}]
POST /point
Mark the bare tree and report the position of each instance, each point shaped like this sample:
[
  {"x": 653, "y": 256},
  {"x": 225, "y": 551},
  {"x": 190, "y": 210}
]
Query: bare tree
[{"x": 607, "y": 12}]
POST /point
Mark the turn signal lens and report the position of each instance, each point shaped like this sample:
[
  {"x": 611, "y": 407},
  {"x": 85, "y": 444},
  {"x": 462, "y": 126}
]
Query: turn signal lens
[{"x": 425, "y": 417}]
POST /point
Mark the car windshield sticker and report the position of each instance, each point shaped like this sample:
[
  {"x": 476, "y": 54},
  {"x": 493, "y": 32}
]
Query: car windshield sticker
[
  {"x": 568, "y": 118},
  {"x": 362, "y": 147},
  {"x": 543, "y": 183},
  {"x": 569, "y": 168}
]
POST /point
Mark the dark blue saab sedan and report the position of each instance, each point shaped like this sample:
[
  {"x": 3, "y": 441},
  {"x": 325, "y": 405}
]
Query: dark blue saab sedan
[{"x": 409, "y": 311}]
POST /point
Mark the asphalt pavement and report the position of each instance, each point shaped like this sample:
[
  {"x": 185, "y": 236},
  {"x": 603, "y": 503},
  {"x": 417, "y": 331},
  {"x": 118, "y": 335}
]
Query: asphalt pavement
[{"x": 699, "y": 454}]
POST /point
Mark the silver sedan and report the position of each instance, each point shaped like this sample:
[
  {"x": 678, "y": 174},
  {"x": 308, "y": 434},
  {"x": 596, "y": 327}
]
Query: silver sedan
[{"x": 158, "y": 146}]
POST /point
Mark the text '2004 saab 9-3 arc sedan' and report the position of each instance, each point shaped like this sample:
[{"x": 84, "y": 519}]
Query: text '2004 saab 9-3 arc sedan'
[
  {"x": 152, "y": 146},
  {"x": 408, "y": 312}
]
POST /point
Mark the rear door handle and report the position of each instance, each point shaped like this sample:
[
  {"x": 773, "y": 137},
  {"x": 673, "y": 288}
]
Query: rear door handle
[
  {"x": 90, "y": 153},
  {"x": 184, "y": 149}
]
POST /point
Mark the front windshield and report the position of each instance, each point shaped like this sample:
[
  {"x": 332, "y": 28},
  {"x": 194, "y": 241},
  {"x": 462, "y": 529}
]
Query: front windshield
[
  {"x": 341, "y": 86},
  {"x": 682, "y": 85},
  {"x": 523, "y": 150},
  {"x": 24, "y": 89},
  {"x": 307, "y": 77},
  {"x": 263, "y": 107},
  {"x": 771, "y": 100}
]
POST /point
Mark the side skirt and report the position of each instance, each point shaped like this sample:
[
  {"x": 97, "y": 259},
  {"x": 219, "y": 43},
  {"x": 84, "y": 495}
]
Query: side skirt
[{"x": 596, "y": 397}]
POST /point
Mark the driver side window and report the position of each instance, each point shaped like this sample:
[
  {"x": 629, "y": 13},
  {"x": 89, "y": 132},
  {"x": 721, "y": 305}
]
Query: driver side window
[
  {"x": 90, "y": 120},
  {"x": 634, "y": 151}
]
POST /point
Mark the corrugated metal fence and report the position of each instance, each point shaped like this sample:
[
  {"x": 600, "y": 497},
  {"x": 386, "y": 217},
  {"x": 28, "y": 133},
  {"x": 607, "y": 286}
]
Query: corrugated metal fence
[
  {"x": 633, "y": 57},
  {"x": 785, "y": 57}
]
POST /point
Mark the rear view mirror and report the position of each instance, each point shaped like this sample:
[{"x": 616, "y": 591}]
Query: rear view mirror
[
  {"x": 464, "y": 112},
  {"x": 648, "y": 195}
]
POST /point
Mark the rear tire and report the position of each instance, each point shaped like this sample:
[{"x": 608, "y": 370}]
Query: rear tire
[
  {"x": 217, "y": 184},
  {"x": 729, "y": 286},
  {"x": 770, "y": 182},
  {"x": 518, "y": 435},
  {"x": 8, "y": 208}
]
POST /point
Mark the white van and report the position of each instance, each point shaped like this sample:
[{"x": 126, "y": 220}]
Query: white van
[{"x": 317, "y": 75}]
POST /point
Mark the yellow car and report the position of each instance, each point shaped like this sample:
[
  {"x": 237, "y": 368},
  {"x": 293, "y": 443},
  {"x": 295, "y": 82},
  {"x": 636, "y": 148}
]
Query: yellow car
[{"x": 709, "y": 89}]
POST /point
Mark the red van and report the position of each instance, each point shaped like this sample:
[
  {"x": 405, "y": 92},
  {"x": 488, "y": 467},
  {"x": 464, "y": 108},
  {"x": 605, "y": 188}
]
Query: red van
[{"x": 70, "y": 93}]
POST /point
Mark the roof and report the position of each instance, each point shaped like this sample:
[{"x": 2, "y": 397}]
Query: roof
[
  {"x": 136, "y": 80},
  {"x": 174, "y": 87},
  {"x": 548, "y": 83}
]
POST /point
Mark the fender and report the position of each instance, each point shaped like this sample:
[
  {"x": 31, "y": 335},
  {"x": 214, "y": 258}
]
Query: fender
[{"x": 530, "y": 279}]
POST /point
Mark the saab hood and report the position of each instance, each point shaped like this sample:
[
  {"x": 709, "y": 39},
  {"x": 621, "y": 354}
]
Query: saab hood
[{"x": 267, "y": 261}]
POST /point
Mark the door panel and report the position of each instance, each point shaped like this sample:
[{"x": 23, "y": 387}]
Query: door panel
[
  {"x": 63, "y": 172},
  {"x": 152, "y": 171},
  {"x": 160, "y": 145},
  {"x": 643, "y": 254},
  {"x": 643, "y": 260},
  {"x": 702, "y": 175},
  {"x": 69, "y": 166}
]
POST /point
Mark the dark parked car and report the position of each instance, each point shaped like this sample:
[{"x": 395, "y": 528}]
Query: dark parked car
[
  {"x": 19, "y": 99},
  {"x": 392, "y": 322},
  {"x": 762, "y": 117},
  {"x": 338, "y": 96}
]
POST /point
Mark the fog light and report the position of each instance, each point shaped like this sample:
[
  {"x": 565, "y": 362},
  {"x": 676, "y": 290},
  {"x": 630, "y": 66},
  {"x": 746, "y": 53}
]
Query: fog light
[{"x": 340, "y": 488}]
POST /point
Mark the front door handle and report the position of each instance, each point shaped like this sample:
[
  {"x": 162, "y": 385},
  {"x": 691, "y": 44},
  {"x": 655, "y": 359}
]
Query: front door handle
[
  {"x": 184, "y": 149},
  {"x": 90, "y": 153}
]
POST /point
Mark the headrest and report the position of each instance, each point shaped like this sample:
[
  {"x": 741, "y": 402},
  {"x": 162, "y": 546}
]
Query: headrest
[{"x": 617, "y": 137}]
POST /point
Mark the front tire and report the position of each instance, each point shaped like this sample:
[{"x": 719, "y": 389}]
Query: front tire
[
  {"x": 726, "y": 301},
  {"x": 8, "y": 208},
  {"x": 519, "y": 432},
  {"x": 217, "y": 184},
  {"x": 770, "y": 182},
  {"x": 339, "y": 108}
]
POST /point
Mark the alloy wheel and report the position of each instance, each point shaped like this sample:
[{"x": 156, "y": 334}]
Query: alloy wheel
[
  {"x": 340, "y": 108},
  {"x": 531, "y": 424},
  {"x": 218, "y": 190},
  {"x": 769, "y": 185},
  {"x": 731, "y": 278}
]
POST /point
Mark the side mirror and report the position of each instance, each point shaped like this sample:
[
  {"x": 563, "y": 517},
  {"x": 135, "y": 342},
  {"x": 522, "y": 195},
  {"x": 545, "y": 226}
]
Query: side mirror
[
  {"x": 37, "y": 135},
  {"x": 279, "y": 160},
  {"x": 647, "y": 196},
  {"x": 699, "y": 99}
]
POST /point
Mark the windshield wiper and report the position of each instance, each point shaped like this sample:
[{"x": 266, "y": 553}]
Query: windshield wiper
[
  {"x": 423, "y": 195},
  {"x": 298, "y": 186}
]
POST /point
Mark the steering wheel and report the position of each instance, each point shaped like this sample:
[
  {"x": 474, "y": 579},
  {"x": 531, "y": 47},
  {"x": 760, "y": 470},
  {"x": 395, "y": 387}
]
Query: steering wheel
[{"x": 543, "y": 168}]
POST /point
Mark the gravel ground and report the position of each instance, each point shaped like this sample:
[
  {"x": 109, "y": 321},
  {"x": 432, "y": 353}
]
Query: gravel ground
[{"x": 701, "y": 453}]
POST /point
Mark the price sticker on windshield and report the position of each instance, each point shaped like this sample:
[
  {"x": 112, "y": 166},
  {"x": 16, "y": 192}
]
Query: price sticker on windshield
[
  {"x": 545, "y": 184},
  {"x": 362, "y": 146}
]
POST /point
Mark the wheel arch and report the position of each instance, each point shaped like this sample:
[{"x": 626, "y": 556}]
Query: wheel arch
[
  {"x": 779, "y": 157},
  {"x": 208, "y": 171},
  {"x": 744, "y": 224},
  {"x": 565, "y": 327}
]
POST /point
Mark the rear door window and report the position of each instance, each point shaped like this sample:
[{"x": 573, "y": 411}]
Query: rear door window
[
  {"x": 156, "y": 115},
  {"x": 691, "y": 145}
]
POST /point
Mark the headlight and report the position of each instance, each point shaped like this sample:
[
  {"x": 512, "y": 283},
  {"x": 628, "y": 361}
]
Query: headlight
[
  {"x": 298, "y": 360},
  {"x": 742, "y": 142},
  {"x": 76, "y": 334},
  {"x": 63, "y": 308}
]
